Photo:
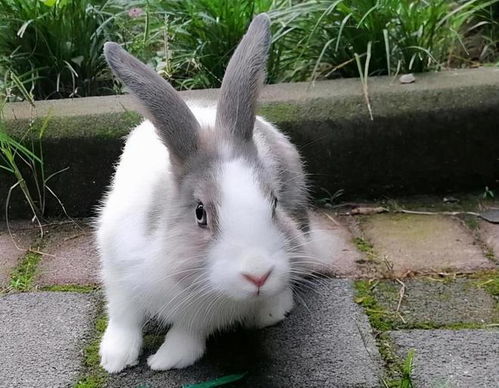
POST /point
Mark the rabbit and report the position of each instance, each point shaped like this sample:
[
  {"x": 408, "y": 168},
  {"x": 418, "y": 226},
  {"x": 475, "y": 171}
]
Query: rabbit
[{"x": 206, "y": 220}]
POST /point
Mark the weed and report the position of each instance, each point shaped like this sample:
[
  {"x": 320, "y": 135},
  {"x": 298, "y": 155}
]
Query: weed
[
  {"x": 487, "y": 193},
  {"x": 366, "y": 247},
  {"x": 379, "y": 318},
  {"x": 55, "y": 47},
  {"x": 325, "y": 36},
  {"x": 489, "y": 281},
  {"x": 95, "y": 377},
  {"x": 23, "y": 275},
  {"x": 70, "y": 288},
  {"x": 25, "y": 163}
]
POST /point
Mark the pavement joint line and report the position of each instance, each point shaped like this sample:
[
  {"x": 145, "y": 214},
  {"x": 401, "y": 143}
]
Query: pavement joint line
[
  {"x": 382, "y": 320},
  {"x": 70, "y": 288},
  {"x": 398, "y": 370},
  {"x": 396, "y": 375},
  {"x": 94, "y": 376},
  {"x": 474, "y": 228},
  {"x": 373, "y": 259},
  {"x": 25, "y": 272},
  {"x": 393, "y": 366}
]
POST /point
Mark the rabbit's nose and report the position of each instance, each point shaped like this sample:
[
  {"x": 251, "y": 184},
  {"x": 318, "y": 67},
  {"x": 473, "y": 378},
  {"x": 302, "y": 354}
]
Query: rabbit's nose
[{"x": 257, "y": 280}]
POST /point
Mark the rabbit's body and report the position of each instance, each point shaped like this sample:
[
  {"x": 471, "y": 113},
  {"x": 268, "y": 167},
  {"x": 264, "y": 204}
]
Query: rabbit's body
[
  {"x": 133, "y": 225},
  {"x": 205, "y": 223}
]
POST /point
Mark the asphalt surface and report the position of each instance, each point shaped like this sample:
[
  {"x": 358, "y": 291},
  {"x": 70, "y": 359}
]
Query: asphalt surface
[
  {"x": 42, "y": 337},
  {"x": 451, "y": 358}
]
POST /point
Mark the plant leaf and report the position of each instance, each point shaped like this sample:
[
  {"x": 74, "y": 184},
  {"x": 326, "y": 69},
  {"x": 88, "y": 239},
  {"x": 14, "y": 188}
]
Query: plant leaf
[{"x": 217, "y": 382}]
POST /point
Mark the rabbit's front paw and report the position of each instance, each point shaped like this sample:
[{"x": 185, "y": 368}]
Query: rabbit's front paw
[
  {"x": 179, "y": 350},
  {"x": 119, "y": 348},
  {"x": 275, "y": 309}
]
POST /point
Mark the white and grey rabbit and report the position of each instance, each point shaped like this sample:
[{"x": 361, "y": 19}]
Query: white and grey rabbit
[{"x": 205, "y": 224}]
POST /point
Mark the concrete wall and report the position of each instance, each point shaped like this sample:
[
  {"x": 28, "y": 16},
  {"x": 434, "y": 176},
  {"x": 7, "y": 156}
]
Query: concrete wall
[{"x": 439, "y": 134}]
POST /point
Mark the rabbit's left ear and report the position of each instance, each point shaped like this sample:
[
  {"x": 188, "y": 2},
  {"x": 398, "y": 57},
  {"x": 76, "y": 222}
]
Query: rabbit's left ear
[{"x": 242, "y": 81}]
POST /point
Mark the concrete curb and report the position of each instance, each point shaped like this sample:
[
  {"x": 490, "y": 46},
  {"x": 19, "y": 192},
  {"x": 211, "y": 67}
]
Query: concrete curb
[{"x": 435, "y": 135}]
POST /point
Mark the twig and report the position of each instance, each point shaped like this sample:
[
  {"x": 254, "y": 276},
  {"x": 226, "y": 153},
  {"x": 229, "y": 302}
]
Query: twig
[
  {"x": 445, "y": 213},
  {"x": 401, "y": 296},
  {"x": 330, "y": 218}
]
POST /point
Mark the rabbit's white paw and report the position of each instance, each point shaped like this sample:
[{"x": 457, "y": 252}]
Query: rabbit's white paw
[
  {"x": 275, "y": 309},
  {"x": 119, "y": 348},
  {"x": 179, "y": 350}
]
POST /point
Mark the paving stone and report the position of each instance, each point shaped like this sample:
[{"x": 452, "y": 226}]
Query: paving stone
[
  {"x": 327, "y": 343},
  {"x": 489, "y": 234},
  {"x": 424, "y": 244},
  {"x": 24, "y": 233},
  {"x": 435, "y": 302},
  {"x": 336, "y": 251},
  {"x": 42, "y": 337},
  {"x": 451, "y": 358},
  {"x": 71, "y": 256}
]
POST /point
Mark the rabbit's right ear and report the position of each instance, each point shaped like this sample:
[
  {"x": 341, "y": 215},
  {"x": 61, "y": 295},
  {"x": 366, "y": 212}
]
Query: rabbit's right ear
[{"x": 175, "y": 123}]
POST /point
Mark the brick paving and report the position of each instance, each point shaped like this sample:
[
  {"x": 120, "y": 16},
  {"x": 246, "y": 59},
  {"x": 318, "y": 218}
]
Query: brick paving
[
  {"x": 70, "y": 256},
  {"x": 14, "y": 247},
  {"x": 424, "y": 244},
  {"x": 489, "y": 233},
  {"x": 453, "y": 284}
]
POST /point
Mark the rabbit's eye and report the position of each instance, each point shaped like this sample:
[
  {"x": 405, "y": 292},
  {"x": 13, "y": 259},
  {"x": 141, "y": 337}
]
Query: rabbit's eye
[{"x": 201, "y": 215}]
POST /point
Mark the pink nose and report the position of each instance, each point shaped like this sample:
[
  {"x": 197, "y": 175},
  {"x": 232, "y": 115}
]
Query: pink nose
[{"x": 257, "y": 280}]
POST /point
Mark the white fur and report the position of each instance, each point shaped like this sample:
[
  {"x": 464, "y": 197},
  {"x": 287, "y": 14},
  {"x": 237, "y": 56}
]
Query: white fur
[
  {"x": 249, "y": 243},
  {"x": 138, "y": 265}
]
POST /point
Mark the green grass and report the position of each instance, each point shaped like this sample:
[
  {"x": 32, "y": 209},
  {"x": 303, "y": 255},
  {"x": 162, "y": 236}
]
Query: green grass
[
  {"x": 365, "y": 247},
  {"x": 70, "y": 288},
  {"x": 53, "y": 48},
  {"x": 488, "y": 280},
  {"x": 404, "y": 371},
  {"x": 403, "y": 36},
  {"x": 95, "y": 376},
  {"x": 398, "y": 373},
  {"x": 23, "y": 275},
  {"x": 380, "y": 318},
  {"x": 201, "y": 37}
]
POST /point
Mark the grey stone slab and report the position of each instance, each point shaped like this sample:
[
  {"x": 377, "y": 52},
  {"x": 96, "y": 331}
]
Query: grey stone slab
[
  {"x": 438, "y": 302},
  {"x": 325, "y": 342},
  {"x": 451, "y": 358},
  {"x": 42, "y": 336}
]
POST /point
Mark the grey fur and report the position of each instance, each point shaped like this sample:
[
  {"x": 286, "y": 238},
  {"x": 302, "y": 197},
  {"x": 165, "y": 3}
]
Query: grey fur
[
  {"x": 280, "y": 157},
  {"x": 242, "y": 81},
  {"x": 175, "y": 123}
]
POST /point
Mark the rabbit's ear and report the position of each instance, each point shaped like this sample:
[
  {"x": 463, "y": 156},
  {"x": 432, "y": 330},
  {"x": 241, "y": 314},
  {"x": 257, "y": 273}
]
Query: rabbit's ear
[
  {"x": 175, "y": 123},
  {"x": 242, "y": 81}
]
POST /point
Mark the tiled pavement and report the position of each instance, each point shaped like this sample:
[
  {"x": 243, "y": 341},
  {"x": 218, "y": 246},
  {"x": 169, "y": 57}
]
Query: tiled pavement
[{"x": 428, "y": 283}]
